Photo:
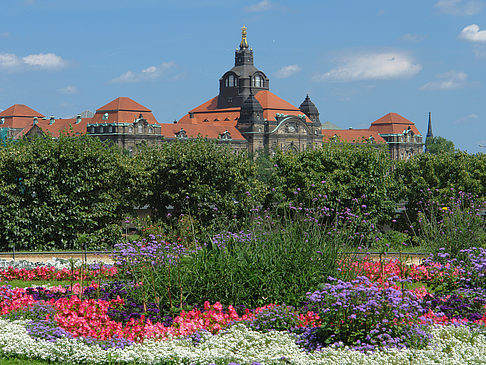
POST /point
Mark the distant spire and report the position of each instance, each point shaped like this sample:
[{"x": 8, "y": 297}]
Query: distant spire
[
  {"x": 429, "y": 129},
  {"x": 243, "y": 43},
  {"x": 429, "y": 135}
]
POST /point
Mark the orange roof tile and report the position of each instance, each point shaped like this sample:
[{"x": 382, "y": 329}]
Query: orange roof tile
[
  {"x": 125, "y": 104},
  {"x": 207, "y": 131},
  {"x": 20, "y": 110},
  {"x": 123, "y": 110},
  {"x": 271, "y": 104},
  {"x": 352, "y": 135},
  {"x": 393, "y": 123},
  {"x": 60, "y": 126},
  {"x": 18, "y": 116}
]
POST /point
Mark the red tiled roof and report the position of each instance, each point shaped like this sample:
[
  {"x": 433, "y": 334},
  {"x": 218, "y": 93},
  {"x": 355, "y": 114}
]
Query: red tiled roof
[
  {"x": 207, "y": 112},
  {"x": 123, "y": 110},
  {"x": 20, "y": 110},
  {"x": 393, "y": 123},
  {"x": 18, "y": 116},
  {"x": 352, "y": 135},
  {"x": 125, "y": 104},
  {"x": 207, "y": 131},
  {"x": 60, "y": 126}
]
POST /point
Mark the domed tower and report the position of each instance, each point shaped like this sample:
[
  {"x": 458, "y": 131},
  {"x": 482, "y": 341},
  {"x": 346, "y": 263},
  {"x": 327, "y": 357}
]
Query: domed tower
[
  {"x": 309, "y": 108},
  {"x": 235, "y": 85}
]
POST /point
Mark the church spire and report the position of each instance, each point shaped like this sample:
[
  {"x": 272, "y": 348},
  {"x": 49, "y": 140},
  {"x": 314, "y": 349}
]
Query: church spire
[
  {"x": 429, "y": 129},
  {"x": 429, "y": 135},
  {"x": 243, "y": 43}
]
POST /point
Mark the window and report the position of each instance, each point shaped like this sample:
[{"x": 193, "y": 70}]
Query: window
[
  {"x": 130, "y": 130},
  {"x": 150, "y": 130},
  {"x": 101, "y": 129},
  {"x": 140, "y": 128},
  {"x": 231, "y": 81},
  {"x": 110, "y": 129},
  {"x": 257, "y": 81}
]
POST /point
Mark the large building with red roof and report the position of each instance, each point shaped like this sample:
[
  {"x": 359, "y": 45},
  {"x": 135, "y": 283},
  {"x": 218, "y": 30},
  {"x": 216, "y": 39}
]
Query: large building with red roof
[{"x": 245, "y": 115}]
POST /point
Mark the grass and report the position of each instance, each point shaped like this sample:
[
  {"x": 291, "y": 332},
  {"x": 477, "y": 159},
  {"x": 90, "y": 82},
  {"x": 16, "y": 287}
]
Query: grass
[{"x": 35, "y": 283}]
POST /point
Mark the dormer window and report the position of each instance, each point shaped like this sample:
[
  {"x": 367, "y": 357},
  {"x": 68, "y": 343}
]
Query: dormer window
[
  {"x": 257, "y": 81},
  {"x": 231, "y": 81},
  {"x": 101, "y": 129},
  {"x": 110, "y": 129},
  {"x": 140, "y": 128}
]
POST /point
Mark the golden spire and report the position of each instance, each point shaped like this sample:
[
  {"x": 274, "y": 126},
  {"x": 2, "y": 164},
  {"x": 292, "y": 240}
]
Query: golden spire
[{"x": 244, "y": 43}]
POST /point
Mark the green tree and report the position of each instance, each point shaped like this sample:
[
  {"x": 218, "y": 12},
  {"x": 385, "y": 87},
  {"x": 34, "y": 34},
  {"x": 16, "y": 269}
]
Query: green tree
[
  {"x": 438, "y": 177},
  {"x": 63, "y": 193},
  {"x": 199, "y": 177},
  {"x": 437, "y": 145},
  {"x": 343, "y": 173}
]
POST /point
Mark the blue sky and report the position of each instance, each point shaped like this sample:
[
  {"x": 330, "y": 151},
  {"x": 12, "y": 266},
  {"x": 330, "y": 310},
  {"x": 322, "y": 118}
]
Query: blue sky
[{"x": 358, "y": 60}]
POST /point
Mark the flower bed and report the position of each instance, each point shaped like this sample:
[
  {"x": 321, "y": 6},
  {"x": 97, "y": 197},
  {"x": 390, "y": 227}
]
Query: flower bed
[{"x": 389, "y": 313}]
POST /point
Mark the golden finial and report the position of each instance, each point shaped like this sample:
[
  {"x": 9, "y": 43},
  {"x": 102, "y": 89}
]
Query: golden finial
[{"x": 244, "y": 43}]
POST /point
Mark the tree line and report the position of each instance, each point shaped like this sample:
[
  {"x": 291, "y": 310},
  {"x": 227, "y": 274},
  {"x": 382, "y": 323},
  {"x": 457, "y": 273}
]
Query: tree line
[{"x": 70, "y": 193}]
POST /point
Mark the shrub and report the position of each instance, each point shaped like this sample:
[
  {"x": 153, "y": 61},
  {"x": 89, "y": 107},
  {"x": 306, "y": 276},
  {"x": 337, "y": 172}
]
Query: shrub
[{"x": 365, "y": 316}]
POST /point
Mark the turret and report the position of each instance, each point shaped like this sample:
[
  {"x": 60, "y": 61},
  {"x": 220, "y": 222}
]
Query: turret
[
  {"x": 308, "y": 108},
  {"x": 251, "y": 113}
]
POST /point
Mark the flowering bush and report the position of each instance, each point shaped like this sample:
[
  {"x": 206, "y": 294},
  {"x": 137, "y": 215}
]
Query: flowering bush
[{"x": 365, "y": 316}]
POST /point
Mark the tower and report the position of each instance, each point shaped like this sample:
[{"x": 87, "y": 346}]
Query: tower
[
  {"x": 429, "y": 135},
  {"x": 235, "y": 85},
  {"x": 308, "y": 108}
]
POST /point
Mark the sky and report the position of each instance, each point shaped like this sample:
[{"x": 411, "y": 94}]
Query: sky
[{"x": 358, "y": 60}]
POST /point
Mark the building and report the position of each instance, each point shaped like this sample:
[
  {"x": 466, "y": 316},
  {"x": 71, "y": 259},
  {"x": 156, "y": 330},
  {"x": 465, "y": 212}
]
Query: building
[{"x": 245, "y": 115}]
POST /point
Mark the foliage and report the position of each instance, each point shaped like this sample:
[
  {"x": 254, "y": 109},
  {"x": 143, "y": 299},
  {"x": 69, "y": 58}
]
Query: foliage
[
  {"x": 201, "y": 178},
  {"x": 63, "y": 193},
  {"x": 438, "y": 177},
  {"x": 349, "y": 171},
  {"x": 452, "y": 225},
  {"x": 438, "y": 145}
]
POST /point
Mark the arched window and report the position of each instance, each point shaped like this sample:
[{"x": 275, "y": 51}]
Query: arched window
[
  {"x": 140, "y": 128},
  {"x": 257, "y": 81},
  {"x": 101, "y": 129},
  {"x": 231, "y": 81},
  {"x": 110, "y": 129}
]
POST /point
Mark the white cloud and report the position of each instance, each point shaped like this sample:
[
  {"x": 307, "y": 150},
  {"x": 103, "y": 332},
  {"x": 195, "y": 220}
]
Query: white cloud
[
  {"x": 149, "y": 73},
  {"x": 410, "y": 37},
  {"x": 9, "y": 60},
  {"x": 44, "y": 60},
  {"x": 68, "y": 90},
  {"x": 287, "y": 71},
  {"x": 467, "y": 119},
  {"x": 372, "y": 66},
  {"x": 263, "y": 5},
  {"x": 460, "y": 7},
  {"x": 448, "y": 81},
  {"x": 472, "y": 33}
]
